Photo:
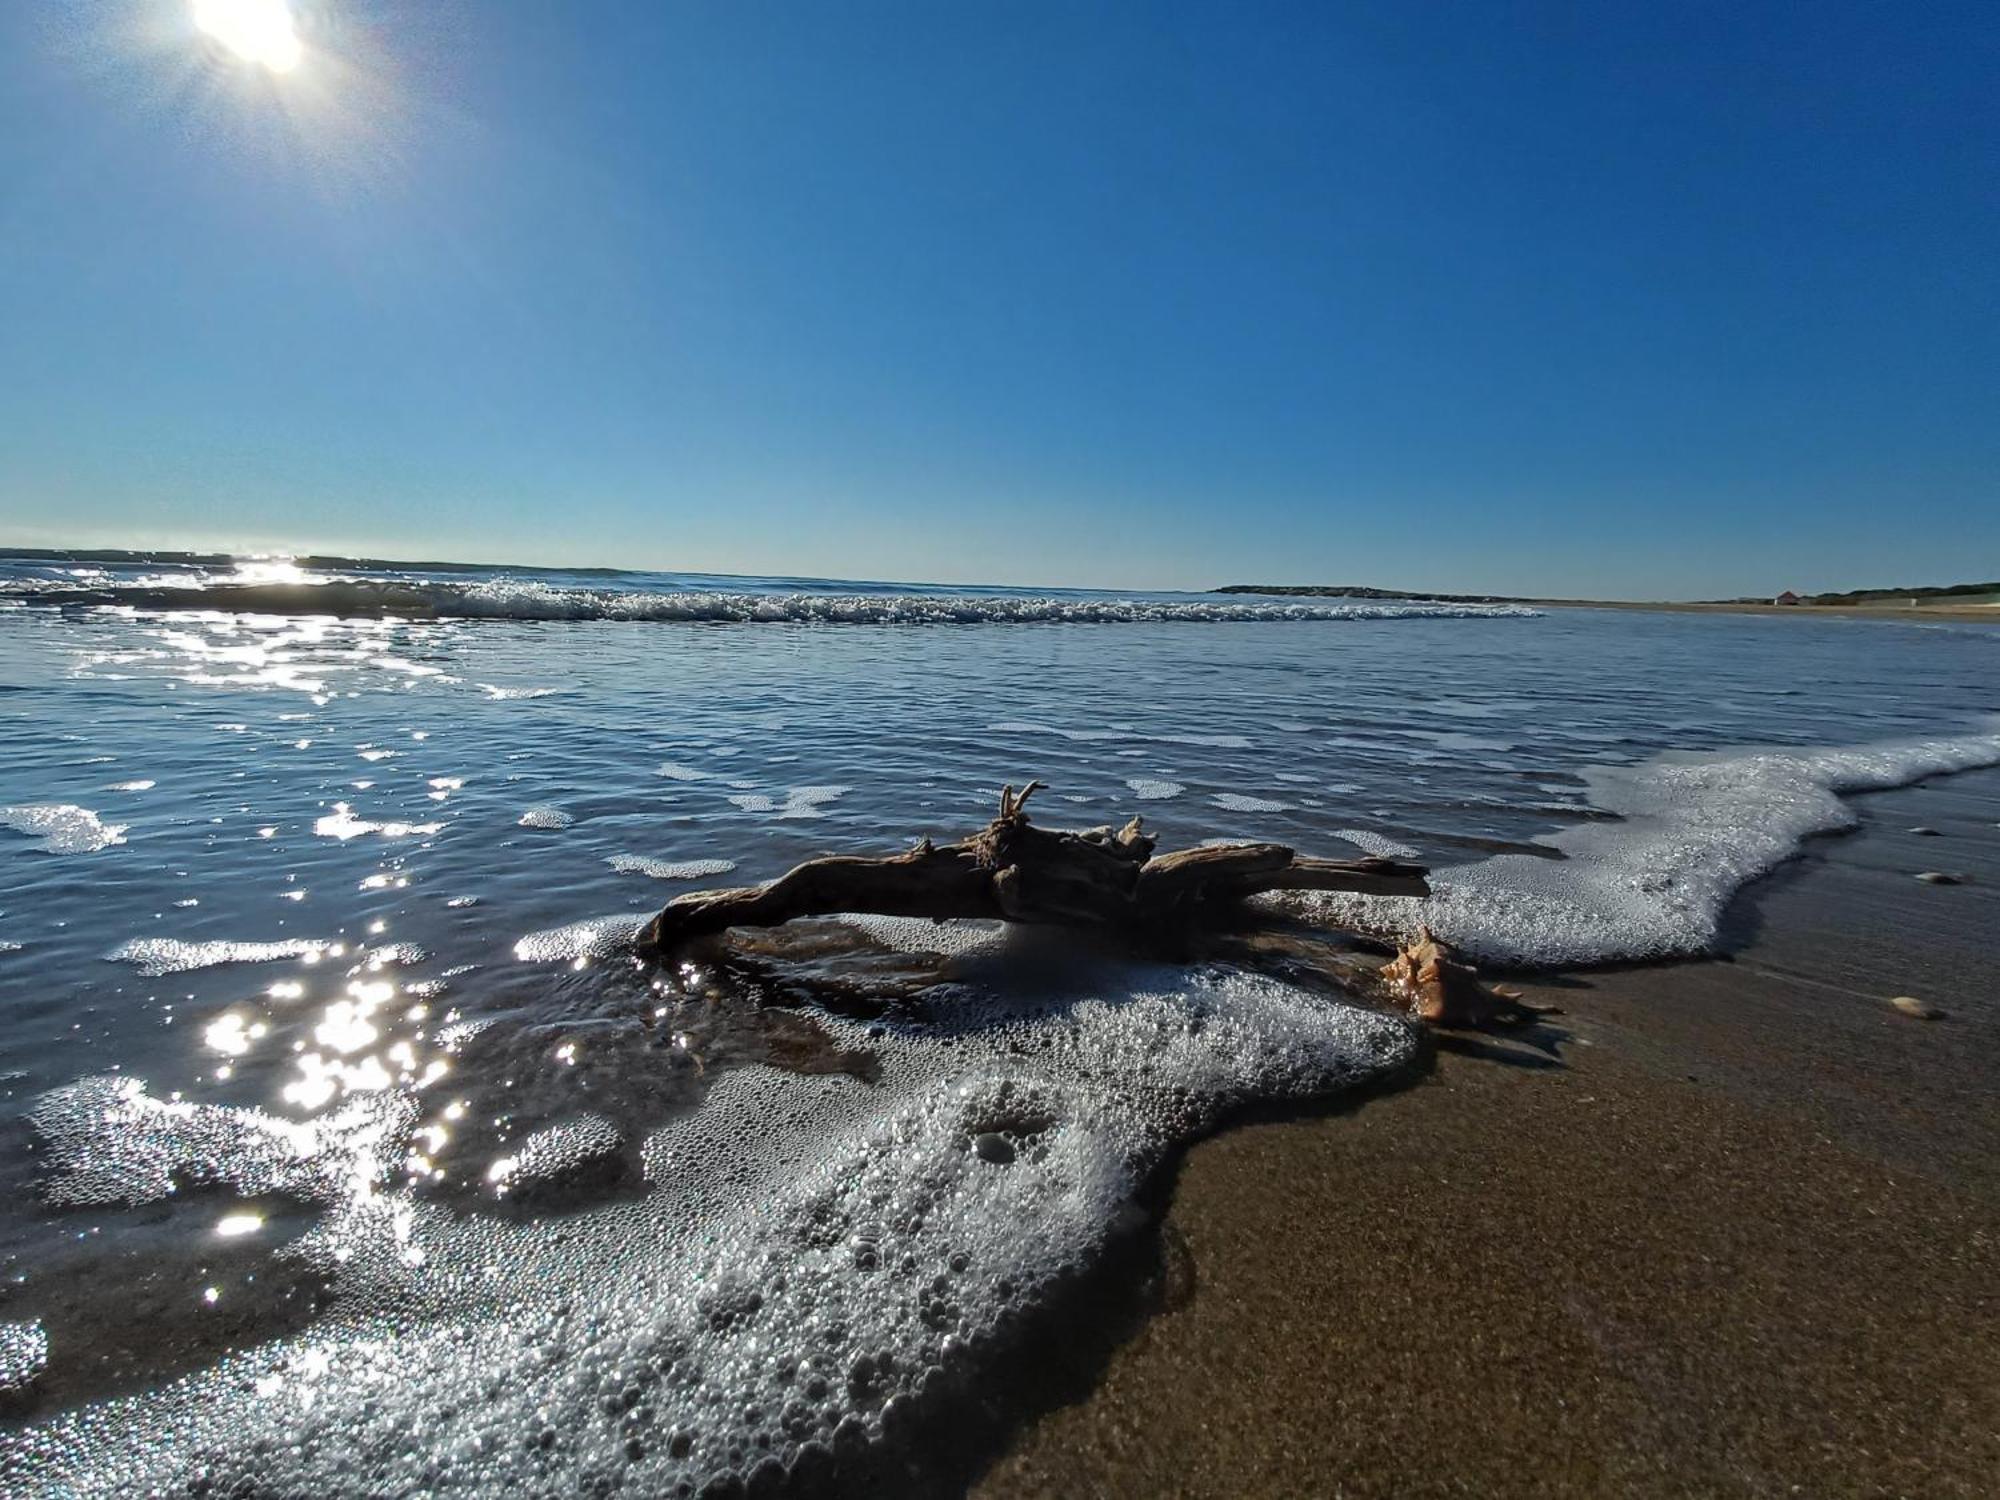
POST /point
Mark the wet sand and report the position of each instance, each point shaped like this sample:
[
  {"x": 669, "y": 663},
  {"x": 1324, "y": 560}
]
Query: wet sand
[{"x": 1729, "y": 1228}]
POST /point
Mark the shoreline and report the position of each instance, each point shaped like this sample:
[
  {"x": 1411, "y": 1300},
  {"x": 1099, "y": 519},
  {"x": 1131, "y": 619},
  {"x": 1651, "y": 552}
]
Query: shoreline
[
  {"x": 1989, "y": 613},
  {"x": 1728, "y": 1226}
]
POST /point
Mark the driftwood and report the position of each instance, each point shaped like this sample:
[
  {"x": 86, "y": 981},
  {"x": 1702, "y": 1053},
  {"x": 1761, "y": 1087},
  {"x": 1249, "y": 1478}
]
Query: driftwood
[{"x": 1015, "y": 872}]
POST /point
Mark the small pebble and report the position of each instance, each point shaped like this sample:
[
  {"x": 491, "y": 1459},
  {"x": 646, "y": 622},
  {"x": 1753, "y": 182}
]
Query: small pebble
[
  {"x": 1910, "y": 1005},
  {"x": 1939, "y": 877}
]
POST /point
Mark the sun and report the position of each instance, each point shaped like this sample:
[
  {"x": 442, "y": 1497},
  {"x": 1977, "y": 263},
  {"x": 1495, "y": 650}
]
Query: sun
[{"x": 258, "y": 31}]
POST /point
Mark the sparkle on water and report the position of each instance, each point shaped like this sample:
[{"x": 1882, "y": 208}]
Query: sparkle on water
[{"x": 441, "y": 1084}]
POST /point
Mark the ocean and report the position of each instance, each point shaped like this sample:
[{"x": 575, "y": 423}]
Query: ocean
[{"x": 345, "y": 1150}]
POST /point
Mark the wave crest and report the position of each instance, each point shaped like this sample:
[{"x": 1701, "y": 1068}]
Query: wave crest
[{"x": 524, "y": 599}]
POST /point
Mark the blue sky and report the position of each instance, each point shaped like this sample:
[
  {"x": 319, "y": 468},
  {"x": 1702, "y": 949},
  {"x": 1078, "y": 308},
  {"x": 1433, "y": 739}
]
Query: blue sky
[{"x": 1665, "y": 299}]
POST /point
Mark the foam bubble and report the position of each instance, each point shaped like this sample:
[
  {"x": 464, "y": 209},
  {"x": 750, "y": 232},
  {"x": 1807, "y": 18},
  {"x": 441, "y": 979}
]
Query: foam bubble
[
  {"x": 594, "y": 937},
  {"x": 110, "y": 1141},
  {"x": 24, "y": 1350},
  {"x": 806, "y": 1264},
  {"x": 800, "y": 801},
  {"x": 1690, "y": 831},
  {"x": 546, "y": 817},
  {"x": 1151, "y": 789},
  {"x": 1237, "y": 802},
  {"x": 63, "y": 827},
  {"x": 669, "y": 869},
  {"x": 157, "y": 956},
  {"x": 1374, "y": 843},
  {"x": 510, "y": 694}
]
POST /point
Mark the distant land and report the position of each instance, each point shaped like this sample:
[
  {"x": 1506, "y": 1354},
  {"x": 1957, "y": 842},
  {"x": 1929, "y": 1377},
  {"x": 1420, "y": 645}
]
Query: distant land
[
  {"x": 1969, "y": 600},
  {"x": 1356, "y": 591},
  {"x": 1955, "y": 593}
]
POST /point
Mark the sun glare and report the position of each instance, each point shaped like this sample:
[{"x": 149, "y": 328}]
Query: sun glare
[{"x": 258, "y": 31}]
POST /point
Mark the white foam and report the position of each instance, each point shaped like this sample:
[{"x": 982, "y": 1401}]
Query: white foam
[
  {"x": 800, "y": 801},
  {"x": 594, "y": 937},
  {"x": 510, "y": 694},
  {"x": 113, "y": 1142},
  {"x": 1692, "y": 830},
  {"x": 24, "y": 1350},
  {"x": 815, "y": 1263},
  {"x": 674, "y": 771},
  {"x": 156, "y": 956},
  {"x": 1238, "y": 802},
  {"x": 1152, "y": 789},
  {"x": 1375, "y": 843},
  {"x": 669, "y": 869},
  {"x": 63, "y": 827},
  {"x": 546, "y": 817}
]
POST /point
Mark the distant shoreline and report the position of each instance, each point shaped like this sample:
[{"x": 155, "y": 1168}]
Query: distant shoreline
[
  {"x": 1947, "y": 607},
  {"x": 1950, "y": 604},
  {"x": 1987, "y": 612}
]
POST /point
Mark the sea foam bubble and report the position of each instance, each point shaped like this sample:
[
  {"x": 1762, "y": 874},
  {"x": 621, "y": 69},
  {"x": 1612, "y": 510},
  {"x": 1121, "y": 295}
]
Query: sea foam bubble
[
  {"x": 815, "y": 1265},
  {"x": 63, "y": 827},
  {"x": 669, "y": 869},
  {"x": 1688, "y": 831},
  {"x": 155, "y": 957}
]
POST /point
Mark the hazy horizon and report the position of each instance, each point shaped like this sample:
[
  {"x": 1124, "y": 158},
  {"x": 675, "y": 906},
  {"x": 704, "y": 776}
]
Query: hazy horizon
[
  {"x": 1637, "y": 306},
  {"x": 414, "y": 560}
]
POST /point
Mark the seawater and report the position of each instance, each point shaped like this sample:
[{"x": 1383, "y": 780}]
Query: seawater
[{"x": 345, "y": 1151}]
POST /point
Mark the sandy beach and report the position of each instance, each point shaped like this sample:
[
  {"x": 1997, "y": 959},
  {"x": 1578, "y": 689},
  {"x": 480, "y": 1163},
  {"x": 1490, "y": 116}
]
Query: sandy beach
[{"x": 1725, "y": 1228}]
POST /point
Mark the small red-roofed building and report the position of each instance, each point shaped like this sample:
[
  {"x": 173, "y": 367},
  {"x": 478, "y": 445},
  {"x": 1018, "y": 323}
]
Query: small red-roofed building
[{"x": 1788, "y": 597}]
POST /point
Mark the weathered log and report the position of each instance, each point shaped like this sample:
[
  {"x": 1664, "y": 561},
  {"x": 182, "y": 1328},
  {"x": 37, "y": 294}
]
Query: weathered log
[{"x": 1013, "y": 871}]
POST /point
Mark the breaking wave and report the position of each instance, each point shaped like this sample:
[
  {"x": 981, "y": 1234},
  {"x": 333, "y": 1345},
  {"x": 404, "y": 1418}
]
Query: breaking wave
[
  {"x": 522, "y": 599},
  {"x": 1686, "y": 832}
]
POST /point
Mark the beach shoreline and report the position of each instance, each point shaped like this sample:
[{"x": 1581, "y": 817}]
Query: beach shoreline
[
  {"x": 1724, "y": 1227},
  {"x": 1988, "y": 613}
]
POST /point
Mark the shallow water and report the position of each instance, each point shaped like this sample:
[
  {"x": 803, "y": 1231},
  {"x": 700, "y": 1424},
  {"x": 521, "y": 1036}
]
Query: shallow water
[{"x": 343, "y": 1148}]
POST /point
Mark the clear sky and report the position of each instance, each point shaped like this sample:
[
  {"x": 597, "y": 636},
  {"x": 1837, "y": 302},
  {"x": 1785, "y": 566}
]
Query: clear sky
[{"x": 1681, "y": 298}]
